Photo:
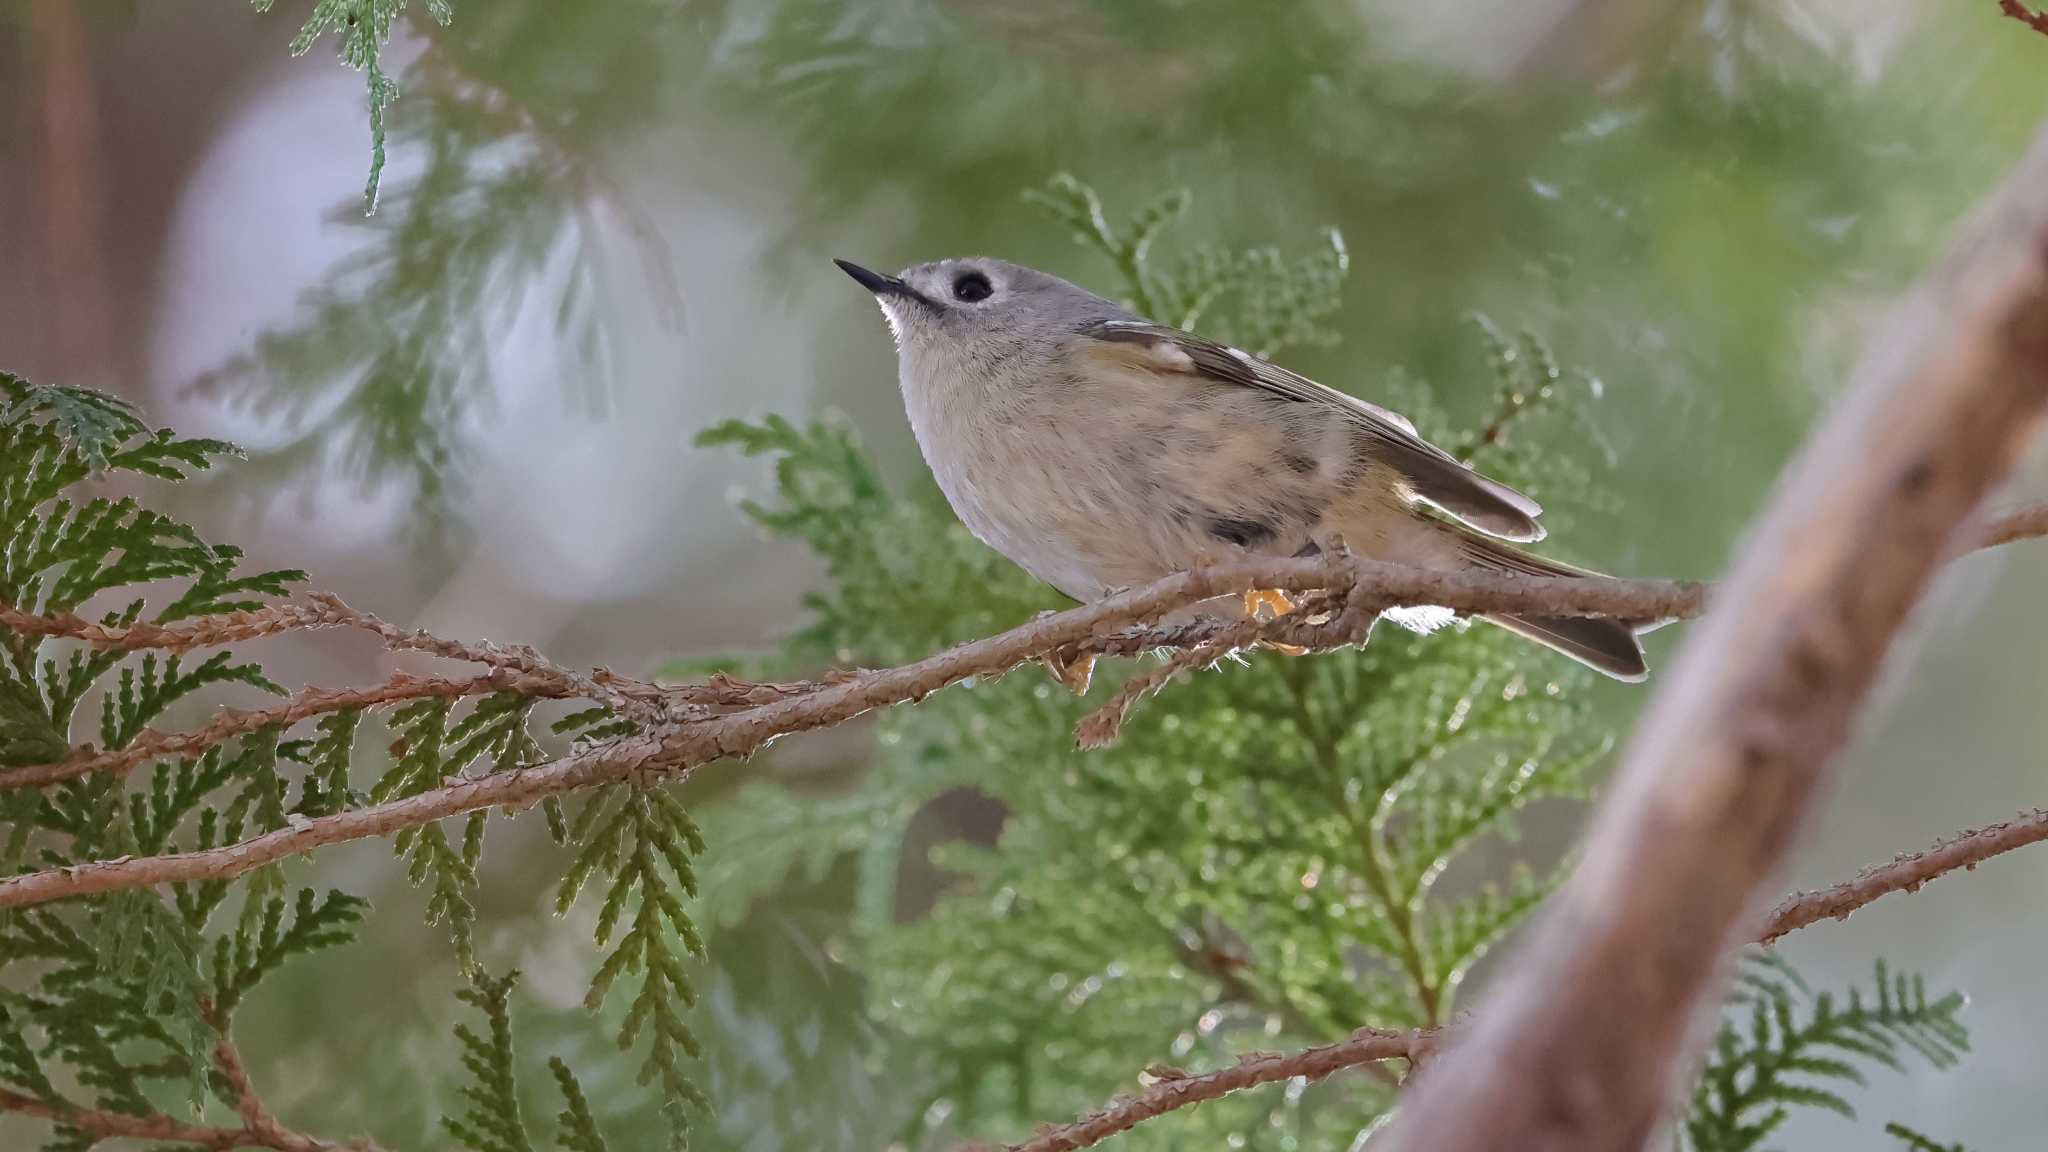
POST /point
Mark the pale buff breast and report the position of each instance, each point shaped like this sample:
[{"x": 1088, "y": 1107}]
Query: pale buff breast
[{"x": 1115, "y": 476}]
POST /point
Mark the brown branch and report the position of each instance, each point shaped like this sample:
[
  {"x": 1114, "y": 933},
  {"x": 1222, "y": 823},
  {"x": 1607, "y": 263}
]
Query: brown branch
[
  {"x": 1202, "y": 643},
  {"x": 679, "y": 747},
  {"x": 201, "y": 632},
  {"x": 1376, "y": 586},
  {"x": 1176, "y": 1090},
  {"x": 514, "y": 669},
  {"x": 1100, "y": 728},
  {"x": 1579, "y": 1043},
  {"x": 2038, "y": 21},
  {"x": 260, "y": 1129},
  {"x": 762, "y": 713},
  {"x": 1677, "y": 600},
  {"x": 629, "y": 698},
  {"x": 120, "y": 1125},
  {"x": 515, "y": 789},
  {"x": 2026, "y": 523},
  {"x": 1905, "y": 872},
  {"x": 165, "y": 1129},
  {"x": 672, "y": 747},
  {"x": 308, "y": 703},
  {"x": 524, "y": 670},
  {"x": 258, "y": 1125},
  {"x": 316, "y": 610}
]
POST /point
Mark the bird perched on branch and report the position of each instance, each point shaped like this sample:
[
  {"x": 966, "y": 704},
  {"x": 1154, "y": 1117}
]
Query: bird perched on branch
[{"x": 1100, "y": 451}]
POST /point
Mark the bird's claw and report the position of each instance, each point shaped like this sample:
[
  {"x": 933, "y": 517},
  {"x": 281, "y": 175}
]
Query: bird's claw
[
  {"x": 1273, "y": 600},
  {"x": 1277, "y": 604},
  {"x": 1074, "y": 674}
]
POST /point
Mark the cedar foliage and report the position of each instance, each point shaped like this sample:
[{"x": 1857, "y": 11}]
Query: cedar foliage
[
  {"x": 1275, "y": 853},
  {"x": 116, "y": 1002}
]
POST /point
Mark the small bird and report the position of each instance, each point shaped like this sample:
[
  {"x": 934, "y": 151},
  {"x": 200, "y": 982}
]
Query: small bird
[{"x": 1100, "y": 451}]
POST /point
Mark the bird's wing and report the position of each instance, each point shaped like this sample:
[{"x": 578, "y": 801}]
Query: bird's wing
[{"x": 1433, "y": 474}]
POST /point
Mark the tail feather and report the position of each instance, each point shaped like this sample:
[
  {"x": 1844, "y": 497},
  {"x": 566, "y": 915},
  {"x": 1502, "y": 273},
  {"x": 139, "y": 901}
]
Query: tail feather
[{"x": 1606, "y": 646}]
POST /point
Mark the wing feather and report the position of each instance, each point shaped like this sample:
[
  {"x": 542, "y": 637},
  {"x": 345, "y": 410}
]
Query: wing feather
[{"x": 1434, "y": 475}]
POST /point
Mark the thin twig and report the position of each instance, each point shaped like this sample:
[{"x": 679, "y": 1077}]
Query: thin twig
[
  {"x": 120, "y": 1125},
  {"x": 618, "y": 760},
  {"x": 1676, "y": 600},
  {"x": 522, "y": 669},
  {"x": 260, "y": 1128},
  {"x": 310, "y": 702},
  {"x": 674, "y": 748},
  {"x": 184, "y": 635},
  {"x": 520, "y": 659},
  {"x": 2005, "y": 527},
  {"x": 514, "y": 669},
  {"x": 768, "y": 712},
  {"x": 1579, "y": 1041},
  {"x": 1199, "y": 644},
  {"x": 2038, "y": 21},
  {"x": 258, "y": 1123},
  {"x": 1172, "y": 1090},
  {"x": 1905, "y": 872},
  {"x": 1100, "y": 728},
  {"x": 165, "y": 1129}
]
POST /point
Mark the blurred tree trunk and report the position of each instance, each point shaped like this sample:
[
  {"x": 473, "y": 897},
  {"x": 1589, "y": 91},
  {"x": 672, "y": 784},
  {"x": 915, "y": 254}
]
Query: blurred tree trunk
[
  {"x": 72, "y": 271},
  {"x": 110, "y": 118}
]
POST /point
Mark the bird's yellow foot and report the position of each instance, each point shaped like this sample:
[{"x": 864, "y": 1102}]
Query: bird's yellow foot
[
  {"x": 1075, "y": 674},
  {"x": 1272, "y": 599},
  {"x": 1277, "y": 605}
]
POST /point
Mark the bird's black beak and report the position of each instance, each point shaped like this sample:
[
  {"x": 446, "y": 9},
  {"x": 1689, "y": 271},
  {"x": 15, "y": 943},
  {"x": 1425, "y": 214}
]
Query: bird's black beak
[{"x": 877, "y": 283}]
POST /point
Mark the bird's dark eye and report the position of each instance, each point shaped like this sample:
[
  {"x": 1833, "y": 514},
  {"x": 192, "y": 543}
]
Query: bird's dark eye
[{"x": 969, "y": 287}]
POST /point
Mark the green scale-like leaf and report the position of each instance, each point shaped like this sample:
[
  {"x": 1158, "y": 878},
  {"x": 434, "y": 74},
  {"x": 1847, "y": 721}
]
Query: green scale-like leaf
[
  {"x": 362, "y": 28},
  {"x": 1782, "y": 1046},
  {"x": 644, "y": 840},
  {"x": 127, "y": 993}
]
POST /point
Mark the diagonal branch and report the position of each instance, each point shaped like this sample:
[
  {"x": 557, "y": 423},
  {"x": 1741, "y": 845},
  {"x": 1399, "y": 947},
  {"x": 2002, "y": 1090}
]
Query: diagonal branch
[
  {"x": 521, "y": 669},
  {"x": 105, "y": 1125},
  {"x": 1579, "y": 1043},
  {"x": 184, "y": 635},
  {"x": 2038, "y": 21},
  {"x": 1474, "y": 591},
  {"x": 729, "y": 718},
  {"x": 1905, "y": 872},
  {"x": 1367, "y": 1046},
  {"x": 617, "y": 760},
  {"x": 631, "y": 699},
  {"x": 259, "y": 1126},
  {"x": 1172, "y": 1090},
  {"x": 233, "y": 722},
  {"x": 120, "y": 1125}
]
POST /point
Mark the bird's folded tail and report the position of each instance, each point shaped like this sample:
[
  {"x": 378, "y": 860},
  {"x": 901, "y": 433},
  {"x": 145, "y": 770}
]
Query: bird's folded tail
[{"x": 1606, "y": 646}]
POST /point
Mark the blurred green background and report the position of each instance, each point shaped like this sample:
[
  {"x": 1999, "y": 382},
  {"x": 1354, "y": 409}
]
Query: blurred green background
[{"x": 605, "y": 227}]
